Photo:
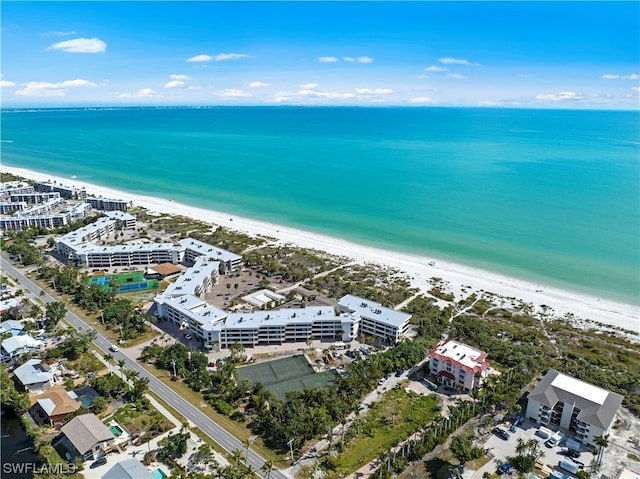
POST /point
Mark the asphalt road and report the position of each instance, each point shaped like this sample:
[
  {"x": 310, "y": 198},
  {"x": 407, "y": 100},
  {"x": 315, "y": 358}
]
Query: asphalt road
[{"x": 192, "y": 413}]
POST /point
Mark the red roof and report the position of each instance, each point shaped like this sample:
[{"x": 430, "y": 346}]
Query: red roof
[
  {"x": 480, "y": 363},
  {"x": 447, "y": 375}
]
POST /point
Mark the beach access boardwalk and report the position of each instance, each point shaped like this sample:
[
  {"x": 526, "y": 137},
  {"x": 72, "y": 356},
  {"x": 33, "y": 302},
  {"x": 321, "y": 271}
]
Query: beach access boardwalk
[{"x": 188, "y": 410}]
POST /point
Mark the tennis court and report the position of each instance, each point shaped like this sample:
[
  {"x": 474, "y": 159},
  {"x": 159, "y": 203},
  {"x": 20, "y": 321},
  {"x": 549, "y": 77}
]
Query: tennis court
[
  {"x": 127, "y": 282},
  {"x": 287, "y": 374}
]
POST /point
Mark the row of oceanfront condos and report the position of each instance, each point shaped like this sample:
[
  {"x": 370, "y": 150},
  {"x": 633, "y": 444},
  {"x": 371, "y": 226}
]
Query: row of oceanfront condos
[
  {"x": 182, "y": 301},
  {"x": 43, "y": 205}
]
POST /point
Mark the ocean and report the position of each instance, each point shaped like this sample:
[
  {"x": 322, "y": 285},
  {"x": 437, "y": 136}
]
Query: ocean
[{"x": 550, "y": 196}]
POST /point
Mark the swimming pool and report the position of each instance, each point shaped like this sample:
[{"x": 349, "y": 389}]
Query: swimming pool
[
  {"x": 159, "y": 474},
  {"x": 116, "y": 430}
]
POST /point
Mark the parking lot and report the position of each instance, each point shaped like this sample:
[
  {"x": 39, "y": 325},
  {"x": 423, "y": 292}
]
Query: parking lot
[{"x": 502, "y": 449}]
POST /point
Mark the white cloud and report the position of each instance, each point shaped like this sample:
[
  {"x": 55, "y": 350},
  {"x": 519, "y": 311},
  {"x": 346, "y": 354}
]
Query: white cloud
[
  {"x": 200, "y": 58},
  {"x": 258, "y": 84},
  {"x": 375, "y": 91},
  {"x": 560, "y": 97},
  {"x": 308, "y": 86},
  {"x": 77, "y": 82},
  {"x": 422, "y": 99},
  {"x": 328, "y": 59},
  {"x": 230, "y": 93},
  {"x": 636, "y": 89},
  {"x": 435, "y": 68},
  {"x": 175, "y": 84},
  {"x": 456, "y": 76},
  {"x": 349, "y": 59},
  {"x": 43, "y": 88},
  {"x": 194, "y": 88},
  {"x": 364, "y": 59},
  {"x": 220, "y": 57},
  {"x": 633, "y": 76},
  {"x": 80, "y": 45},
  {"x": 523, "y": 75},
  {"x": 179, "y": 77},
  {"x": 5, "y": 83},
  {"x": 57, "y": 34},
  {"x": 456, "y": 61},
  {"x": 143, "y": 93}
]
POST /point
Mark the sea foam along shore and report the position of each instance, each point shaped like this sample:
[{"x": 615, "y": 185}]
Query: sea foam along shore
[{"x": 561, "y": 302}]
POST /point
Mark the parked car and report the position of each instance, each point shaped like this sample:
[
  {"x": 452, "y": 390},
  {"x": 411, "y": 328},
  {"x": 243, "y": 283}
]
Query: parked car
[
  {"x": 501, "y": 433},
  {"x": 505, "y": 468},
  {"x": 100, "y": 462},
  {"x": 381, "y": 382},
  {"x": 400, "y": 373},
  {"x": 188, "y": 337}
]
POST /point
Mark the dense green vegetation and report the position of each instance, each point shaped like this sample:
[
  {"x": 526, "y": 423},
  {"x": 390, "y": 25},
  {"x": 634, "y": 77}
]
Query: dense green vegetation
[
  {"x": 178, "y": 360},
  {"x": 10, "y": 398},
  {"x": 291, "y": 263},
  {"x": 377, "y": 283}
]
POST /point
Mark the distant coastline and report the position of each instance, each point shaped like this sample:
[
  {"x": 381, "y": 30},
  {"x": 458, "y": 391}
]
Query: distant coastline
[{"x": 562, "y": 303}]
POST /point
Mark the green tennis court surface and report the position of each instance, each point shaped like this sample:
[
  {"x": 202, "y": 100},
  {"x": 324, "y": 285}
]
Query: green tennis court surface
[
  {"x": 287, "y": 374},
  {"x": 127, "y": 282}
]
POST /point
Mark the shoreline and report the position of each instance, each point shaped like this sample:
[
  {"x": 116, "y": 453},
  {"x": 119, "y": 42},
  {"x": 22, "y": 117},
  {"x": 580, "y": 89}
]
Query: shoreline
[{"x": 562, "y": 302}]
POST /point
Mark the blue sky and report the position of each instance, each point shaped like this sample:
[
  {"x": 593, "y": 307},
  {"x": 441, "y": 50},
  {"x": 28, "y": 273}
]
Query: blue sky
[{"x": 513, "y": 54}]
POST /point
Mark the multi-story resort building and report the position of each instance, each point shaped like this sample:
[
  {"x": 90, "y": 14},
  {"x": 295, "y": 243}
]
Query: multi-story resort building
[
  {"x": 42, "y": 216},
  {"x": 108, "y": 204},
  {"x": 182, "y": 304},
  {"x": 456, "y": 364},
  {"x": 581, "y": 409},
  {"x": 68, "y": 192},
  {"x": 195, "y": 248},
  {"x": 79, "y": 246},
  {"x": 375, "y": 319}
]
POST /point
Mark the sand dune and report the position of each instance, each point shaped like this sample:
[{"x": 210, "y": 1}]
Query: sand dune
[{"x": 562, "y": 303}]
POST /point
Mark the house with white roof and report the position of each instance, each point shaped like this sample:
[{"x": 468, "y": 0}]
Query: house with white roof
[
  {"x": 579, "y": 408},
  {"x": 11, "y": 326},
  {"x": 33, "y": 377},
  {"x": 456, "y": 364},
  {"x": 16, "y": 346}
]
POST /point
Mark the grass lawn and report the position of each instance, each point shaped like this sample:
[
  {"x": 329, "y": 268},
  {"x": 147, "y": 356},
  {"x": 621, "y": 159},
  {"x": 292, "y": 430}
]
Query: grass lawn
[{"x": 386, "y": 424}]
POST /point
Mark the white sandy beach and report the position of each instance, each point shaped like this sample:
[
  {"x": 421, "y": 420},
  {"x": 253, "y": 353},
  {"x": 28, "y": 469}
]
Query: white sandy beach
[{"x": 561, "y": 302}]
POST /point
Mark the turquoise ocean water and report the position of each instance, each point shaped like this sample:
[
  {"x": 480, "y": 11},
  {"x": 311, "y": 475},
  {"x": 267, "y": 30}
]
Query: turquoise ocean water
[{"x": 551, "y": 196}]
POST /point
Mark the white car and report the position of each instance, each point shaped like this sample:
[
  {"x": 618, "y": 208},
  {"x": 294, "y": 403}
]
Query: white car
[{"x": 113, "y": 348}]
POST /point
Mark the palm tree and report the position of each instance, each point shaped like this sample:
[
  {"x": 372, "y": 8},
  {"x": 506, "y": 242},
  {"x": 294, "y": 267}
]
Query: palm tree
[
  {"x": 108, "y": 357},
  {"x": 121, "y": 363},
  {"x": 602, "y": 442},
  {"x": 267, "y": 467},
  {"x": 521, "y": 447}
]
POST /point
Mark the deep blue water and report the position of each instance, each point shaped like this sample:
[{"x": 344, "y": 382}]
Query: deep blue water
[{"x": 546, "y": 195}]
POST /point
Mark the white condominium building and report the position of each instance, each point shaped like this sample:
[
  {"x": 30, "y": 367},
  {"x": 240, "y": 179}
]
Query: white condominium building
[
  {"x": 68, "y": 192},
  {"x": 108, "y": 204},
  {"x": 457, "y": 364},
  {"x": 375, "y": 319},
  {"x": 195, "y": 248},
  {"x": 581, "y": 409}
]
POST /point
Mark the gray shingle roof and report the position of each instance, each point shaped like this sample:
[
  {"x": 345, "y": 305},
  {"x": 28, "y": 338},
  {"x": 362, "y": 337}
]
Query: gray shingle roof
[
  {"x": 598, "y": 409},
  {"x": 86, "y": 431},
  {"x": 128, "y": 469}
]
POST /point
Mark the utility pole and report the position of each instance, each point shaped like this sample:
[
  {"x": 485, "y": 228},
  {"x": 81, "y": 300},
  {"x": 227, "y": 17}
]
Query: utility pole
[
  {"x": 173, "y": 363},
  {"x": 291, "y": 448}
]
